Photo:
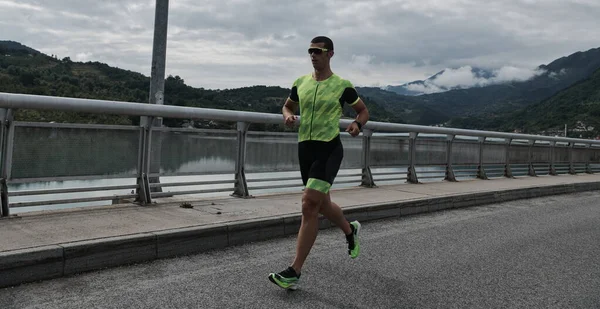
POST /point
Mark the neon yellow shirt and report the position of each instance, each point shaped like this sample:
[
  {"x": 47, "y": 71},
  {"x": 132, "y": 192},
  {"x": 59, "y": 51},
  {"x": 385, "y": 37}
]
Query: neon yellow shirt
[{"x": 321, "y": 105}]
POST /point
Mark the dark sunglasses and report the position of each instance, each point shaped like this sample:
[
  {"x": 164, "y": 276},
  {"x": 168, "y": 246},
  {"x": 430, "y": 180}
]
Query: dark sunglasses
[{"x": 317, "y": 50}]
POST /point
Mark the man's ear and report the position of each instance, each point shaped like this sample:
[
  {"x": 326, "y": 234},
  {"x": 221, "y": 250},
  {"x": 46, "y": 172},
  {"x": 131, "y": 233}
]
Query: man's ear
[{"x": 331, "y": 54}]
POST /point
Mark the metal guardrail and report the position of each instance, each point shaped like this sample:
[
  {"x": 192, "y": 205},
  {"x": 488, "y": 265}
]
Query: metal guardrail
[{"x": 580, "y": 154}]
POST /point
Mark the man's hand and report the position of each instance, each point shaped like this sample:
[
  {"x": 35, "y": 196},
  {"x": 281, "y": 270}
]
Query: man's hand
[
  {"x": 290, "y": 120},
  {"x": 353, "y": 129}
]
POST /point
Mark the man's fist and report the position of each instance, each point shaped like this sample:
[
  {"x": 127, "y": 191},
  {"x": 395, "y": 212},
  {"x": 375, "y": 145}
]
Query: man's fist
[
  {"x": 353, "y": 129},
  {"x": 290, "y": 120}
]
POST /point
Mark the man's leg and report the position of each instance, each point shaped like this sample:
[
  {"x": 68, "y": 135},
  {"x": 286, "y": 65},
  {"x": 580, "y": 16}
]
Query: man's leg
[
  {"x": 312, "y": 201},
  {"x": 334, "y": 213}
]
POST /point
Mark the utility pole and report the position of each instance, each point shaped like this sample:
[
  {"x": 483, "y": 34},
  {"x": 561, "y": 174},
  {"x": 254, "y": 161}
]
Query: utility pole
[
  {"x": 157, "y": 78},
  {"x": 159, "y": 51}
]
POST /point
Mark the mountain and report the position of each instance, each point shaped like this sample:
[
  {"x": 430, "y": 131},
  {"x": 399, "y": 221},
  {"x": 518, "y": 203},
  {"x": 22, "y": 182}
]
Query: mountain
[
  {"x": 432, "y": 84},
  {"x": 16, "y": 48},
  {"x": 25, "y": 70},
  {"x": 577, "y": 106},
  {"x": 492, "y": 99},
  {"x": 408, "y": 108}
]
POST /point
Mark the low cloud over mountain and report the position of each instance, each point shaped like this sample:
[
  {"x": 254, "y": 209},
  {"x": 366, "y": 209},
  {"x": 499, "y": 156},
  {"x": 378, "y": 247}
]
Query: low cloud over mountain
[{"x": 467, "y": 77}]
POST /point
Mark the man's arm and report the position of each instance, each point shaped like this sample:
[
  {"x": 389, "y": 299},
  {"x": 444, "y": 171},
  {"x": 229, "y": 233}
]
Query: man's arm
[
  {"x": 362, "y": 112},
  {"x": 289, "y": 108},
  {"x": 362, "y": 117},
  {"x": 289, "y": 112},
  {"x": 351, "y": 97}
]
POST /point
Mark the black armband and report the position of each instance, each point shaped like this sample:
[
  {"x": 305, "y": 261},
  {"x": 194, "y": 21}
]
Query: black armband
[{"x": 358, "y": 124}]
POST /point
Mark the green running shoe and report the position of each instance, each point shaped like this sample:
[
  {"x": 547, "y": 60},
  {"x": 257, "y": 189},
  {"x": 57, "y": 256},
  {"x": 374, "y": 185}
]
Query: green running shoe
[
  {"x": 287, "y": 279},
  {"x": 353, "y": 241}
]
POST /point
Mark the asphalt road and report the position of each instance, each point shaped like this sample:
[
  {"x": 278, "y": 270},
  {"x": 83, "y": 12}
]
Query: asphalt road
[{"x": 541, "y": 253}]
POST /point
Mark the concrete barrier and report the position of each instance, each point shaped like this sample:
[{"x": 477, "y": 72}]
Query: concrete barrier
[
  {"x": 190, "y": 240},
  {"x": 96, "y": 254},
  {"x": 32, "y": 264}
]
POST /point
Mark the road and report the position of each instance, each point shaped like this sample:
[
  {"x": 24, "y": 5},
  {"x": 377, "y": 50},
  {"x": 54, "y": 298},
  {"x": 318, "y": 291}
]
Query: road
[{"x": 539, "y": 253}]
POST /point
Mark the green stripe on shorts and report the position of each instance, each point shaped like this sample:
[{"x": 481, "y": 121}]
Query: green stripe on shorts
[{"x": 319, "y": 185}]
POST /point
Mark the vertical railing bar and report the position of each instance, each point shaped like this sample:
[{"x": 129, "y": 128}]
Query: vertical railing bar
[
  {"x": 141, "y": 190},
  {"x": 480, "y": 169},
  {"x": 144, "y": 193},
  {"x": 507, "y": 170},
  {"x": 412, "y": 148},
  {"x": 148, "y": 160},
  {"x": 571, "y": 167},
  {"x": 531, "y": 171},
  {"x": 241, "y": 186},
  {"x": 8, "y": 138},
  {"x": 4, "y": 208},
  {"x": 10, "y": 143},
  {"x": 449, "y": 171},
  {"x": 552, "y": 167},
  {"x": 154, "y": 161},
  {"x": 141, "y": 151},
  {"x": 367, "y": 176},
  {"x": 3, "y": 130}
]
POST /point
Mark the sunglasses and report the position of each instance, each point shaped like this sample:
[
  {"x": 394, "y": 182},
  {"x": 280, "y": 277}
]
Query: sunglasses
[{"x": 317, "y": 50}]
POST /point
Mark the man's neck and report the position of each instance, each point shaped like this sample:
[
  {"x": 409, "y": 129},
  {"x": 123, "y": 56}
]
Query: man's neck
[{"x": 323, "y": 74}]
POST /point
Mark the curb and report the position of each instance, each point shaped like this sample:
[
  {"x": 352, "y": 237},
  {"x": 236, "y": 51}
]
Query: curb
[{"x": 54, "y": 261}]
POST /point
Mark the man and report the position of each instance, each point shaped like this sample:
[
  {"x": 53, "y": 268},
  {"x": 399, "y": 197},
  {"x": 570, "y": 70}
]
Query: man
[{"x": 320, "y": 96}]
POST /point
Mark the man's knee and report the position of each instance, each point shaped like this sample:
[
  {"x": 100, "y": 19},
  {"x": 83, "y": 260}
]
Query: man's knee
[{"x": 312, "y": 201}]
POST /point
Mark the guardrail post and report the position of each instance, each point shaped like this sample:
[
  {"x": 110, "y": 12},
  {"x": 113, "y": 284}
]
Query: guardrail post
[
  {"x": 154, "y": 164},
  {"x": 531, "y": 169},
  {"x": 412, "y": 148},
  {"x": 449, "y": 171},
  {"x": 145, "y": 149},
  {"x": 507, "y": 170},
  {"x": 3, "y": 193},
  {"x": 367, "y": 176},
  {"x": 571, "y": 167},
  {"x": 480, "y": 170},
  {"x": 552, "y": 167},
  {"x": 7, "y": 141},
  {"x": 588, "y": 168},
  {"x": 241, "y": 186}
]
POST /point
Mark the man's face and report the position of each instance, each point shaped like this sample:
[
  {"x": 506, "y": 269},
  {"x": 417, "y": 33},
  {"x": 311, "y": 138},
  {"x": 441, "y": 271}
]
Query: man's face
[{"x": 319, "y": 55}]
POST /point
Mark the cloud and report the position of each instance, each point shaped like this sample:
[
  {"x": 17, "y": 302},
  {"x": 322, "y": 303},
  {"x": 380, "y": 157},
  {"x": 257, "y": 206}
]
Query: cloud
[
  {"x": 466, "y": 77},
  {"x": 557, "y": 74},
  {"x": 84, "y": 57},
  {"x": 242, "y": 42}
]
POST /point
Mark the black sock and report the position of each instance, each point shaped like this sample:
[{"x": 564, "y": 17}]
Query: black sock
[
  {"x": 351, "y": 230},
  {"x": 350, "y": 237},
  {"x": 293, "y": 271}
]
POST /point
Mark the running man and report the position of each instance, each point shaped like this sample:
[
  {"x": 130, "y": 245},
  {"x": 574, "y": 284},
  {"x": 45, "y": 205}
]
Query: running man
[{"x": 321, "y": 97}]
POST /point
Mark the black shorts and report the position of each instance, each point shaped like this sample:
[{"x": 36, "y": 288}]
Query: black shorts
[{"x": 320, "y": 163}]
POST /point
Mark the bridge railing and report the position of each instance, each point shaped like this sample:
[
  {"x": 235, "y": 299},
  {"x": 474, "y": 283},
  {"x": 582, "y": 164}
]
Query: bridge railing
[{"x": 148, "y": 162}]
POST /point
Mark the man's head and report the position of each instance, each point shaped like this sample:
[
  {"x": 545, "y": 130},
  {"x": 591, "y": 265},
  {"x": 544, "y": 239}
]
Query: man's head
[{"x": 320, "y": 51}]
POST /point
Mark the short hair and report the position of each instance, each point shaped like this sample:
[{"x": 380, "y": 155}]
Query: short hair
[{"x": 323, "y": 39}]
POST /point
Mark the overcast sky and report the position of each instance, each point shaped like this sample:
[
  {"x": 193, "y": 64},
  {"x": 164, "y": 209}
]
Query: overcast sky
[{"x": 236, "y": 43}]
